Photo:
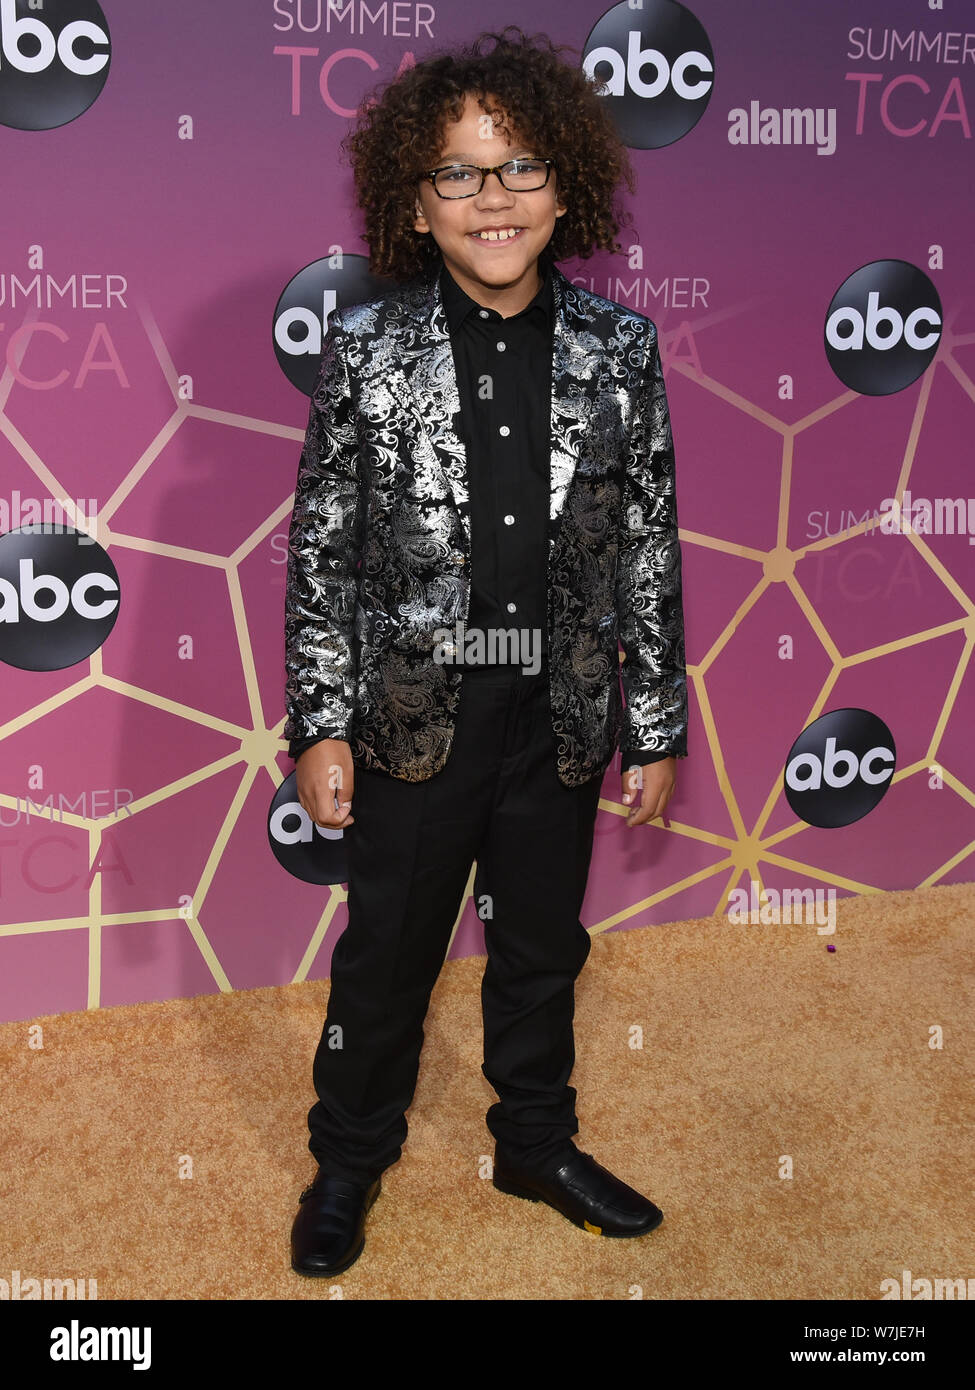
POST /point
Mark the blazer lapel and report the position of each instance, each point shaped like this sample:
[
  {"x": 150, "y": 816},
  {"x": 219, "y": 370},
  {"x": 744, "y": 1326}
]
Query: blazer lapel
[
  {"x": 424, "y": 354},
  {"x": 577, "y": 359}
]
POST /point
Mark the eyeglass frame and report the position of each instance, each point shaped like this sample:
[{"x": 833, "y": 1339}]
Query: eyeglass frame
[{"x": 431, "y": 176}]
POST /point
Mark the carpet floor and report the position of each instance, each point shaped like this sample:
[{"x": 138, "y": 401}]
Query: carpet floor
[{"x": 803, "y": 1118}]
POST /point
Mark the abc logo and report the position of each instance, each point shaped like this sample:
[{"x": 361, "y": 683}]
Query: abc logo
[
  {"x": 54, "y": 61},
  {"x": 59, "y": 598},
  {"x": 883, "y": 327},
  {"x": 655, "y": 70},
  {"x": 839, "y": 768},
  {"x": 311, "y": 852},
  {"x": 301, "y": 315}
]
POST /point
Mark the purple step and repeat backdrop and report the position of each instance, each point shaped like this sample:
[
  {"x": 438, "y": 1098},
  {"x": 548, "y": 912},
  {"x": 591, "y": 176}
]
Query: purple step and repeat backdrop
[{"x": 177, "y": 227}]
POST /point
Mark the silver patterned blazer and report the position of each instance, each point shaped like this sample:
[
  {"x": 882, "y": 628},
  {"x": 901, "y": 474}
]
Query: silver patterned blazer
[{"x": 379, "y": 550}]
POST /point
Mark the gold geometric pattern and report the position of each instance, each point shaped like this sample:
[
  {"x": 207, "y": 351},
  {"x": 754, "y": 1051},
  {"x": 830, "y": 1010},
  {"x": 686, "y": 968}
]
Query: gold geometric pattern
[{"x": 744, "y": 851}]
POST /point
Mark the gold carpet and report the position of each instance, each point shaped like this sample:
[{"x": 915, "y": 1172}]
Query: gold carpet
[{"x": 159, "y": 1149}]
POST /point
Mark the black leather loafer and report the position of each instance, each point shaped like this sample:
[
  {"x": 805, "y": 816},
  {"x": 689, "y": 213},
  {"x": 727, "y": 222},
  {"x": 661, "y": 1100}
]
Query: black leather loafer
[
  {"x": 585, "y": 1192},
  {"x": 328, "y": 1233}
]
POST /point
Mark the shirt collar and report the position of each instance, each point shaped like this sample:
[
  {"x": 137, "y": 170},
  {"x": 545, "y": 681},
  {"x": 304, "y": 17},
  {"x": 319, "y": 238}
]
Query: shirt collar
[{"x": 458, "y": 304}]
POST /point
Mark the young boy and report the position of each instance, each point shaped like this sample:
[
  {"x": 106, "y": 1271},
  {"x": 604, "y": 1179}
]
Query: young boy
[{"x": 484, "y": 512}]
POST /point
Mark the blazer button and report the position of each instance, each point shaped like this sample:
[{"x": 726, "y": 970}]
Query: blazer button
[{"x": 457, "y": 557}]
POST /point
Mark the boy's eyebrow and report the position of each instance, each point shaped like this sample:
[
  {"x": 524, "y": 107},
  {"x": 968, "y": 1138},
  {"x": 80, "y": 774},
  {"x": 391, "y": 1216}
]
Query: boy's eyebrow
[{"x": 465, "y": 158}]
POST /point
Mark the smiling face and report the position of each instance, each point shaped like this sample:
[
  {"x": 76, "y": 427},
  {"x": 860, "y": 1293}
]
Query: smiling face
[{"x": 499, "y": 272}]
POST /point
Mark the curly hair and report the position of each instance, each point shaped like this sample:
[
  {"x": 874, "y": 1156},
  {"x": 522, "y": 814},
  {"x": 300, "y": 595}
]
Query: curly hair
[{"x": 399, "y": 131}]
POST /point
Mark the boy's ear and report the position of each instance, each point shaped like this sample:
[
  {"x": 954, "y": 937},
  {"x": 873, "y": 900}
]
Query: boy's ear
[
  {"x": 420, "y": 223},
  {"x": 561, "y": 207}
]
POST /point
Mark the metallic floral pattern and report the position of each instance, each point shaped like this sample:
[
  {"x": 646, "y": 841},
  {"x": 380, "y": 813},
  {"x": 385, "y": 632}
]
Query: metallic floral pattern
[{"x": 379, "y": 552}]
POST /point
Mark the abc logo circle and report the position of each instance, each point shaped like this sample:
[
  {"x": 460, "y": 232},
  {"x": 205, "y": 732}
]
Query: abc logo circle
[
  {"x": 54, "y": 61},
  {"x": 883, "y": 327},
  {"x": 59, "y": 598},
  {"x": 839, "y": 768},
  {"x": 654, "y": 67},
  {"x": 311, "y": 852},
  {"x": 301, "y": 315}
]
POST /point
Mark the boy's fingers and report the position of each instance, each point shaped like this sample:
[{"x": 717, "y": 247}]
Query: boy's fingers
[
  {"x": 655, "y": 811},
  {"x": 335, "y": 824},
  {"x": 630, "y": 788},
  {"x": 329, "y": 815}
]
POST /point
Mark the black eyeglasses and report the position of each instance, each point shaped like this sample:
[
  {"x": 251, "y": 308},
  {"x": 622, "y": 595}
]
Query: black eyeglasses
[{"x": 466, "y": 180}]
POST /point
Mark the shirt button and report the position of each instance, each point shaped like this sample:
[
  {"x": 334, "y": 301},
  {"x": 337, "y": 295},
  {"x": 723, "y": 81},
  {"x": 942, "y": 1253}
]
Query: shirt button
[
  {"x": 484, "y": 313},
  {"x": 512, "y": 607},
  {"x": 504, "y": 430},
  {"x": 500, "y": 347},
  {"x": 509, "y": 521}
]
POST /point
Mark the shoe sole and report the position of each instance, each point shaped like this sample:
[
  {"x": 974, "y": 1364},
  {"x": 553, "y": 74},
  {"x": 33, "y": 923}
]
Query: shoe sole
[
  {"x": 347, "y": 1263},
  {"x": 513, "y": 1190},
  {"x": 334, "y": 1269}
]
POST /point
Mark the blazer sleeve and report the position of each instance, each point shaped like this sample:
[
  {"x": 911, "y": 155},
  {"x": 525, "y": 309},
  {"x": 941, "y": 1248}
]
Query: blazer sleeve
[
  {"x": 324, "y": 553},
  {"x": 649, "y": 597}
]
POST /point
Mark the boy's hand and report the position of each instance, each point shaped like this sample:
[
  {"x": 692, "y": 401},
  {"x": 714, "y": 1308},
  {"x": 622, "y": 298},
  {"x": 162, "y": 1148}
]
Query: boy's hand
[
  {"x": 325, "y": 777},
  {"x": 657, "y": 781}
]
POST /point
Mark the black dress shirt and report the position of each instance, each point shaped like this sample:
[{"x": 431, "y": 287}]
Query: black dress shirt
[
  {"x": 503, "y": 368},
  {"x": 504, "y": 379}
]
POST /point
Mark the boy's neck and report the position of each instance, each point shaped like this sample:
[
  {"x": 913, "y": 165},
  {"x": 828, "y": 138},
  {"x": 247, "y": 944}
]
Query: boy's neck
[{"x": 507, "y": 300}]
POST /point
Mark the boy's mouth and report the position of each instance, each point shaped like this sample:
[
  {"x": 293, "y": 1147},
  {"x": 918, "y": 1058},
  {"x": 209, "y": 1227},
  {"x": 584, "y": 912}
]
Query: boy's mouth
[{"x": 496, "y": 236}]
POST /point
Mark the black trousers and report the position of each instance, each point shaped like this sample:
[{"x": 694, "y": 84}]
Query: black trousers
[{"x": 498, "y": 800}]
